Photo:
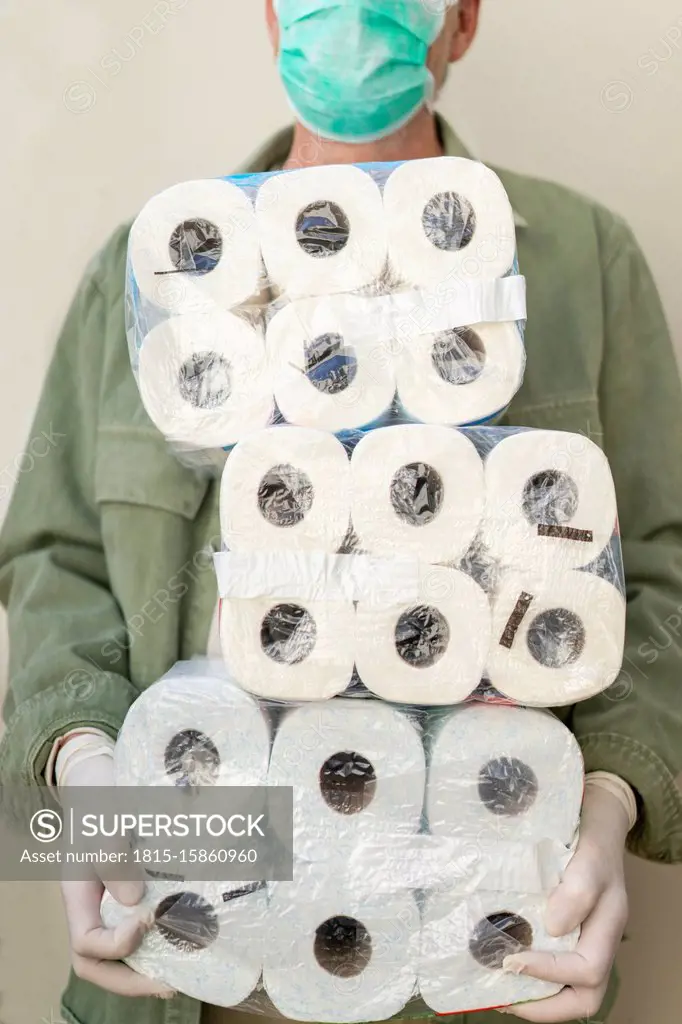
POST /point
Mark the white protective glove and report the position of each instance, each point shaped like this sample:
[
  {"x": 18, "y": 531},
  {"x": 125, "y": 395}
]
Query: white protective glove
[
  {"x": 96, "y": 949},
  {"x": 592, "y": 895}
]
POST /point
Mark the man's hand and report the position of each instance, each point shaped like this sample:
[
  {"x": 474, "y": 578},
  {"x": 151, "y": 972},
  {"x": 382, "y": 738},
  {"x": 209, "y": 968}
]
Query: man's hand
[
  {"x": 96, "y": 949},
  {"x": 591, "y": 894}
]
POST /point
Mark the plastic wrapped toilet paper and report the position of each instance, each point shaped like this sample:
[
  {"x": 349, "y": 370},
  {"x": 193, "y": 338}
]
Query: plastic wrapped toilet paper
[
  {"x": 499, "y": 774},
  {"x": 294, "y": 649},
  {"x": 465, "y": 940},
  {"x": 357, "y": 771},
  {"x": 556, "y": 641},
  {"x": 550, "y": 500},
  {"x": 307, "y": 252},
  {"x": 203, "y": 379},
  {"x": 416, "y": 490},
  {"x": 193, "y": 728},
  {"x": 328, "y": 370},
  {"x": 369, "y": 549},
  {"x": 286, "y": 488},
  {"x": 429, "y": 651},
  {"x": 322, "y": 230},
  {"x": 448, "y": 217},
  {"x": 195, "y": 246},
  {"x": 207, "y": 941},
  {"x": 333, "y": 956},
  {"x": 462, "y": 375},
  {"x": 466, "y": 814}
]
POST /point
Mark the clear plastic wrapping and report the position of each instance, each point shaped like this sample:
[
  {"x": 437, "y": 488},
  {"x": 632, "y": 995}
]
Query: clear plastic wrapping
[
  {"x": 396, "y": 579},
  {"x": 329, "y": 297},
  {"x": 425, "y": 564},
  {"x": 425, "y": 843}
]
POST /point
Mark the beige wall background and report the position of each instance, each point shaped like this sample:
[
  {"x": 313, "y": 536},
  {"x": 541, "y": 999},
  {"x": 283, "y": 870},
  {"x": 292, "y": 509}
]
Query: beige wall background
[{"x": 104, "y": 102}]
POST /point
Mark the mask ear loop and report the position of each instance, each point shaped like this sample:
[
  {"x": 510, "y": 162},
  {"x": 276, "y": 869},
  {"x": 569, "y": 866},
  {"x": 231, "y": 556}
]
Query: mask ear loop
[
  {"x": 435, "y": 7},
  {"x": 430, "y": 100}
]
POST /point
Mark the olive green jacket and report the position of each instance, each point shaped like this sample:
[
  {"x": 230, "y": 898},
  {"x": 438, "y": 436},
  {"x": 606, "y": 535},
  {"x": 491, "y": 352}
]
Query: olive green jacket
[{"x": 105, "y": 561}]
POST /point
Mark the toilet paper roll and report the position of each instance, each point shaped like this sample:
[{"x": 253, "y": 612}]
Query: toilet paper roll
[
  {"x": 431, "y": 651},
  {"x": 193, "y": 730},
  {"x": 494, "y": 774},
  {"x": 357, "y": 771},
  {"x": 328, "y": 370},
  {"x": 195, "y": 246},
  {"x": 288, "y": 649},
  {"x": 557, "y": 642},
  {"x": 333, "y": 956},
  {"x": 550, "y": 500},
  {"x": 203, "y": 379},
  {"x": 465, "y": 940},
  {"x": 286, "y": 488},
  {"x": 460, "y": 376},
  {"x": 322, "y": 230},
  {"x": 207, "y": 941},
  {"x": 417, "y": 490},
  {"x": 448, "y": 217}
]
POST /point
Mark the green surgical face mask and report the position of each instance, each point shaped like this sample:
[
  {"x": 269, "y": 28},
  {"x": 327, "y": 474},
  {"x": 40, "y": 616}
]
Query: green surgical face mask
[{"x": 355, "y": 70}]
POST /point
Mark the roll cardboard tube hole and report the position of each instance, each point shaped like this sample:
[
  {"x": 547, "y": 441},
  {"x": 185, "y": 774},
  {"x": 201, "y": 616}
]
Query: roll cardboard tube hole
[
  {"x": 331, "y": 365},
  {"x": 322, "y": 229},
  {"x": 343, "y": 947},
  {"x": 347, "y": 782},
  {"x": 192, "y": 759},
  {"x": 449, "y": 221},
  {"x": 458, "y": 356},
  {"x": 285, "y": 496},
  {"x": 556, "y": 638},
  {"x": 422, "y": 636},
  {"x": 205, "y": 380},
  {"x": 417, "y": 493},
  {"x": 507, "y": 786},
  {"x": 187, "y": 921},
  {"x": 498, "y": 936},
  {"x": 288, "y": 634},
  {"x": 550, "y": 498},
  {"x": 196, "y": 246}
]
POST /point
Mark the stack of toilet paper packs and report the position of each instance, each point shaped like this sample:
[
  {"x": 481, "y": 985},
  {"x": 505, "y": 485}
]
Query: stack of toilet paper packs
[{"x": 403, "y": 591}]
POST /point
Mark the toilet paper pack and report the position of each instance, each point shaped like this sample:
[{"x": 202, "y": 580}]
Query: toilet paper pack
[
  {"x": 425, "y": 846},
  {"x": 429, "y": 565},
  {"x": 333, "y": 297}
]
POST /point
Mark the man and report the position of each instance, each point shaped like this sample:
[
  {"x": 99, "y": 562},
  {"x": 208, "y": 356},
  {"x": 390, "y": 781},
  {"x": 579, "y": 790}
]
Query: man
[{"x": 106, "y": 544}]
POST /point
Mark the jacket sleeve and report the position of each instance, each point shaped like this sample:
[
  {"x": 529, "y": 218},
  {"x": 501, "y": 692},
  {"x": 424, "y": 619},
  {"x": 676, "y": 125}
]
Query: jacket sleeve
[
  {"x": 53, "y": 572},
  {"x": 635, "y": 728}
]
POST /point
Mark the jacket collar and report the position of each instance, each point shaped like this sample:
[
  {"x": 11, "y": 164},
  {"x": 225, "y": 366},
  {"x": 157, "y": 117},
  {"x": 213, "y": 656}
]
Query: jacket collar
[{"x": 275, "y": 150}]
